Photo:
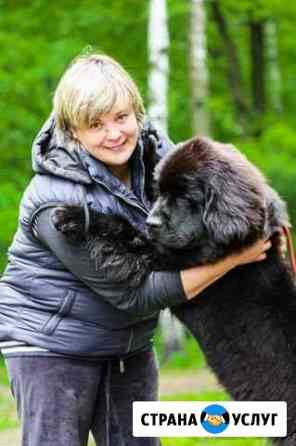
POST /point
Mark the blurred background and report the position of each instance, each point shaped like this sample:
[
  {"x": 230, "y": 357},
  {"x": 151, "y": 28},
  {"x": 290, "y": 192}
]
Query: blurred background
[{"x": 223, "y": 68}]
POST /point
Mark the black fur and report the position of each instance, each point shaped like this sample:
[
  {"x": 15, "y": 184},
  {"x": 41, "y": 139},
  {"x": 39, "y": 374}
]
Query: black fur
[{"x": 211, "y": 203}]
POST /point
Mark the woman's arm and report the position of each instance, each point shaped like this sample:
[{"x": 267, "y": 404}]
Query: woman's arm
[
  {"x": 196, "y": 279},
  {"x": 158, "y": 291}
]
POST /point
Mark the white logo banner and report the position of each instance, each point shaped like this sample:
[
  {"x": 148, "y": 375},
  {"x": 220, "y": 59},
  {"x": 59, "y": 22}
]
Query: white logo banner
[{"x": 210, "y": 419}]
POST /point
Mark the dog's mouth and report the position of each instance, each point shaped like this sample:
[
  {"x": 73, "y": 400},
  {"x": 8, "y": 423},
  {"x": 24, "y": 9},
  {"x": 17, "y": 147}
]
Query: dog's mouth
[{"x": 174, "y": 242}]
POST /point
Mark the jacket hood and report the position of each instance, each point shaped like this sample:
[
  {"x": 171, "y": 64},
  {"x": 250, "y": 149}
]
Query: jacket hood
[
  {"x": 54, "y": 153},
  {"x": 50, "y": 155}
]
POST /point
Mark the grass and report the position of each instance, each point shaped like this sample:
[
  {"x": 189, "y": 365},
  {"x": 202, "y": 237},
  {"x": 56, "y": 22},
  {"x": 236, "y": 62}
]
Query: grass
[
  {"x": 208, "y": 396},
  {"x": 192, "y": 359},
  {"x": 8, "y": 418}
]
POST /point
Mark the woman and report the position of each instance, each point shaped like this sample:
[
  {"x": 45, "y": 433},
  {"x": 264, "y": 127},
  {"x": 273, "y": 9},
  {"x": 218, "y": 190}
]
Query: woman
[{"x": 78, "y": 348}]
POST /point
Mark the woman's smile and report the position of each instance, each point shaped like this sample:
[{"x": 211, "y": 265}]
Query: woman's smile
[
  {"x": 116, "y": 147},
  {"x": 113, "y": 138}
]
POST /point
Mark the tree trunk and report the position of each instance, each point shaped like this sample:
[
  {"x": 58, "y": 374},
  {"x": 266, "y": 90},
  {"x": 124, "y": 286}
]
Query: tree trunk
[
  {"x": 235, "y": 80},
  {"x": 273, "y": 74},
  {"x": 158, "y": 44},
  {"x": 257, "y": 67},
  {"x": 199, "y": 69}
]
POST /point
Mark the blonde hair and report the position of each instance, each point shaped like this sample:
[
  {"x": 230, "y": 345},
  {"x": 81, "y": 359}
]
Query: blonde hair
[{"x": 91, "y": 86}]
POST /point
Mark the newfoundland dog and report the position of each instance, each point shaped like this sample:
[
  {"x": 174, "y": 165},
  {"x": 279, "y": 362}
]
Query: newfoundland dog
[{"x": 211, "y": 202}]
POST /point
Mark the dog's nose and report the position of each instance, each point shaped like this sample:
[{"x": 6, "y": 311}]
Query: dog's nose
[{"x": 153, "y": 222}]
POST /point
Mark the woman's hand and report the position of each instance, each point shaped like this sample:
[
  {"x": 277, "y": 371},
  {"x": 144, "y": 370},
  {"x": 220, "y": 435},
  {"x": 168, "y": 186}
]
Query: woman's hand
[
  {"x": 254, "y": 253},
  {"x": 196, "y": 279},
  {"x": 282, "y": 246}
]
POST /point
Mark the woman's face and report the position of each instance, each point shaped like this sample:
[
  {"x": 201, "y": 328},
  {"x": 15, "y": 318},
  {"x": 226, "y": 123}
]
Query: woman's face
[{"x": 113, "y": 138}]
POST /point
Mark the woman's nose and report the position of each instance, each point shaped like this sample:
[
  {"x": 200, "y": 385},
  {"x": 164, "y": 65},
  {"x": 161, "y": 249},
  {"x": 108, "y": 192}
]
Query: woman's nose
[{"x": 113, "y": 133}]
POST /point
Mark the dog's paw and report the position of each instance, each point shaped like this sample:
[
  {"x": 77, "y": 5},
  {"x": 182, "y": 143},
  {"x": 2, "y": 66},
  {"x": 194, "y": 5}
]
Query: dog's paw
[
  {"x": 138, "y": 243},
  {"x": 70, "y": 220}
]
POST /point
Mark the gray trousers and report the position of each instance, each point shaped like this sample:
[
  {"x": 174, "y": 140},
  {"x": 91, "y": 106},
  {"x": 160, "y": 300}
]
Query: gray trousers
[{"x": 60, "y": 400}]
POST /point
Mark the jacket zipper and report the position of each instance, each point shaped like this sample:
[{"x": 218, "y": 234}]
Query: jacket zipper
[
  {"x": 123, "y": 198},
  {"x": 146, "y": 212},
  {"x": 130, "y": 341}
]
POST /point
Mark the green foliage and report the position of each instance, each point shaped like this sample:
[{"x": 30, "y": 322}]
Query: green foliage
[
  {"x": 7, "y": 407},
  {"x": 275, "y": 155},
  {"x": 38, "y": 40},
  {"x": 190, "y": 357},
  {"x": 223, "y": 119},
  {"x": 3, "y": 374},
  {"x": 279, "y": 138},
  {"x": 9, "y": 198}
]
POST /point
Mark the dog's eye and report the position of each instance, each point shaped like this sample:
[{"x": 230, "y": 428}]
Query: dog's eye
[
  {"x": 165, "y": 214},
  {"x": 194, "y": 202},
  {"x": 185, "y": 202},
  {"x": 194, "y": 205}
]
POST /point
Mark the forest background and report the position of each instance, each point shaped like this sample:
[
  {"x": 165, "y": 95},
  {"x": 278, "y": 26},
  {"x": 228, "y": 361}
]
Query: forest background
[{"x": 250, "y": 61}]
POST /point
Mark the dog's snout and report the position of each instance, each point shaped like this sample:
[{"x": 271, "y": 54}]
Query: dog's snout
[{"x": 153, "y": 222}]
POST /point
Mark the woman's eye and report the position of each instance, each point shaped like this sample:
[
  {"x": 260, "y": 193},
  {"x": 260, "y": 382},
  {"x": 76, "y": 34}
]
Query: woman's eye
[
  {"x": 122, "y": 117},
  {"x": 97, "y": 125}
]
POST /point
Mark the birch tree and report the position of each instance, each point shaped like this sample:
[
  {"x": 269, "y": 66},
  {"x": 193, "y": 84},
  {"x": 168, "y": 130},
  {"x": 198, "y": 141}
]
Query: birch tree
[
  {"x": 273, "y": 74},
  {"x": 198, "y": 68},
  {"x": 158, "y": 45}
]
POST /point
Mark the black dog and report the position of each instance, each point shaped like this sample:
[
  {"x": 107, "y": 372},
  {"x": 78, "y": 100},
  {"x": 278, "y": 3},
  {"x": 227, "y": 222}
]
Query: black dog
[{"x": 211, "y": 202}]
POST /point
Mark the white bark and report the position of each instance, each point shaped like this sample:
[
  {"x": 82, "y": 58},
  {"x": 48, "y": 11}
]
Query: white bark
[
  {"x": 273, "y": 70},
  {"x": 158, "y": 44},
  {"x": 198, "y": 68},
  {"x": 172, "y": 332}
]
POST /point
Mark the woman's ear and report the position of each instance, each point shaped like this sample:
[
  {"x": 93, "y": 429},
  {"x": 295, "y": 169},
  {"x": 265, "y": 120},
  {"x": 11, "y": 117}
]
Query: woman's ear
[{"x": 73, "y": 133}]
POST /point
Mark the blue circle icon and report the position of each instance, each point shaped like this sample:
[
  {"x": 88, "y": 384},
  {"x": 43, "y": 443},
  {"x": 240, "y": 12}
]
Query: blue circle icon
[{"x": 214, "y": 419}]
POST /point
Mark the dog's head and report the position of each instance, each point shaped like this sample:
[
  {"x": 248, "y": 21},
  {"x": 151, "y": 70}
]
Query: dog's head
[{"x": 207, "y": 193}]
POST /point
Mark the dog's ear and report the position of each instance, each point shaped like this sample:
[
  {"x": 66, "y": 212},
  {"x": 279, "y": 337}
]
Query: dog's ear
[{"x": 228, "y": 218}]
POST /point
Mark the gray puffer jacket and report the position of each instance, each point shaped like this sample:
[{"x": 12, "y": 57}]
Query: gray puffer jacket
[{"x": 46, "y": 300}]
